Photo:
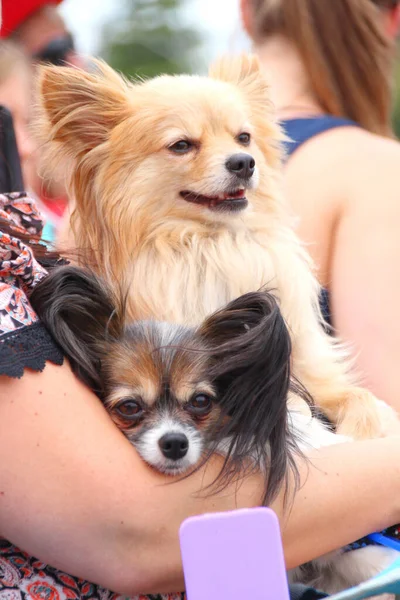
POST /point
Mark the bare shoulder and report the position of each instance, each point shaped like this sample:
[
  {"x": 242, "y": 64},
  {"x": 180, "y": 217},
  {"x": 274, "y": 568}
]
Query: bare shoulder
[
  {"x": 372, "y": 175},
  {"x": 317, "y": 173},
  {"x": 347, "y": 163},
  {"x": 345, "y": 171},
  {"x": 341, "y": 147}
]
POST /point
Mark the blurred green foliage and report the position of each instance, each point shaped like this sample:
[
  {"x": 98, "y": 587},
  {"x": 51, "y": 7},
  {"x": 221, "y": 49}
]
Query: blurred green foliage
[{"x": 150, "y": 37}]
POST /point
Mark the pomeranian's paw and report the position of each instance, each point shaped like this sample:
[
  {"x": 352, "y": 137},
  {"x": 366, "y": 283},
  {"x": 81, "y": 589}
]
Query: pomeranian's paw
[{"x": 363, "y": 416}]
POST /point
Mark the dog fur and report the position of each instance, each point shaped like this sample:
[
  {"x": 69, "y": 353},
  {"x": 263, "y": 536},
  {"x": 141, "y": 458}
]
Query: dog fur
[
  {"x": 184, "y": 260},
  {"x": 239, "y": 357},
  {"x": 148, "y": 373}
]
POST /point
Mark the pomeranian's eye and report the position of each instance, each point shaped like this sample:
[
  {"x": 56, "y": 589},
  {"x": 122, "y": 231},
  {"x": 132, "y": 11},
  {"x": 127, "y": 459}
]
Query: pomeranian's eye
[
  {"x": 129, "y": 409},
  {"x": 181, "y": 147},
  {"x": 199, "y": 405},
  {"x": 244, "y": 139}
]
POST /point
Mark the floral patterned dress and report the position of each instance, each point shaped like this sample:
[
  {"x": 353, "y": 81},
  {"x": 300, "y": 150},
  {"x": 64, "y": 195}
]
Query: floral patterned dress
[{"x": 25, "y": 343}]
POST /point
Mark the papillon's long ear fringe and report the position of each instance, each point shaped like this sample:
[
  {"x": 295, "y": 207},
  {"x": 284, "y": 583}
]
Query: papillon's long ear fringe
[
  {"x": 81, "y": 314},
  {"x": 251, "y": 358}
]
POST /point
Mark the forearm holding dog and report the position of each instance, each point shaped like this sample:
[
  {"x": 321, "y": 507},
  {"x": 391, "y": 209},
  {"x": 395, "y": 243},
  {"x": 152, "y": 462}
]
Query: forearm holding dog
[
  {"x": 347, "y": 491},
  {"x": 75, "y": 493}
]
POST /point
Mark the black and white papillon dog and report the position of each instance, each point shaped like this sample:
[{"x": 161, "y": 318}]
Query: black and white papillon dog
[{"x": 179, "y": 394}]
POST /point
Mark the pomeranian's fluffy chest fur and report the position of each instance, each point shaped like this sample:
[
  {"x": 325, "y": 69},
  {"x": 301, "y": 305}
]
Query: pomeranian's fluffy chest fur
[{"x": 186, "y": 276}]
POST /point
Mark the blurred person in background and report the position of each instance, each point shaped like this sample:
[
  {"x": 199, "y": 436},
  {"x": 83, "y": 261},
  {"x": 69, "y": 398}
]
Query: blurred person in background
[
  {"x": 39, "y": 31},
  {"x": 330, "y": 65},
  {"x": 16, "y": 95}
]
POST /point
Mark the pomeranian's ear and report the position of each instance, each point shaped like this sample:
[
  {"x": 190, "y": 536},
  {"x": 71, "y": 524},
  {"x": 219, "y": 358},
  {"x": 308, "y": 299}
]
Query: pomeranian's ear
[
  {"x": 236, "y": 68},
  {"x": 80, "y": 108},
  {"x": 81, "y": 315},
  {"x": 250, "y": 368},
  {"x": 244, "y": 71}
]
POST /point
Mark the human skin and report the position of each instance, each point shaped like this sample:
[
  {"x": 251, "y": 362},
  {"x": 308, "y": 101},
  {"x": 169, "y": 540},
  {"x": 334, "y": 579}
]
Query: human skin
[{"x": 74, "y": 492}]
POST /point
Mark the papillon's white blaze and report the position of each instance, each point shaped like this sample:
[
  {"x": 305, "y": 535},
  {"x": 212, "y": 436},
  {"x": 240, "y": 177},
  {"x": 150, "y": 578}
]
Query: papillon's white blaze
[{"x": 169, "y": 446}]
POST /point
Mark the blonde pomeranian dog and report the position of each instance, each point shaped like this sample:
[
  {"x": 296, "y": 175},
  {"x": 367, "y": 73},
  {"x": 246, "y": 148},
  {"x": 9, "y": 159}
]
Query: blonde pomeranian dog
[{"x": 177, "y": 185}]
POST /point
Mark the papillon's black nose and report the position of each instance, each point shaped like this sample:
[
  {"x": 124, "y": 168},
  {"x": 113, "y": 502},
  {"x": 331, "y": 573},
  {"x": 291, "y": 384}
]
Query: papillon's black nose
[
  {"x": 174, "y": 445},
  {"x": 242, "y": 165}
]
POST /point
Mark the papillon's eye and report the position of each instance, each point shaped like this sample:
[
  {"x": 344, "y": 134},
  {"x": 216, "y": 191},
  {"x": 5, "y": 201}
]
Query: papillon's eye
[
  {"x": 181, "y": 147},
  {"x": 129, "y": 409},
  {"x": 199, "y": 405},
  {"x": 244, "y": 138}
]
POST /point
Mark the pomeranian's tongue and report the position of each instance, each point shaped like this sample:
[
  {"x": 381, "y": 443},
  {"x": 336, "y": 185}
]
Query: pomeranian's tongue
[{"x": 230, "y": 196}]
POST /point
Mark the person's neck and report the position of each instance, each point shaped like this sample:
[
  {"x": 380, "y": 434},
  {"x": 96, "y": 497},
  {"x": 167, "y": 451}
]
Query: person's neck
[{"x": 290, "y": 89}]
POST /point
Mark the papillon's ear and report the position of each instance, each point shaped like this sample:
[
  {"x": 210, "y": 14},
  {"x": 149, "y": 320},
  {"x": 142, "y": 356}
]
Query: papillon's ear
[
  {"x": 251, "y": 356},
  {"x": 78, "y": 108},
  {"x": 239, "y": 317},
  {"x": 82, "y": 315}
]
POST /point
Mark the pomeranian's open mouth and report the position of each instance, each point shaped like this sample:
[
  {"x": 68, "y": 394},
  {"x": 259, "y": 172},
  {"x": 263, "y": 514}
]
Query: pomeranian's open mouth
[{"x": 229, "y": 201}]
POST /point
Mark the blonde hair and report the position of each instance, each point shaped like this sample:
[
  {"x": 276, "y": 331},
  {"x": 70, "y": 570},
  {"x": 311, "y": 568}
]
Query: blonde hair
[{"x": 346, "y": 53}]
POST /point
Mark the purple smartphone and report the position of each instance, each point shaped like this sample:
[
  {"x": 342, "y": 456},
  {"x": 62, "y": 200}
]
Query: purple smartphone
[{"x": 234, "y": 556}]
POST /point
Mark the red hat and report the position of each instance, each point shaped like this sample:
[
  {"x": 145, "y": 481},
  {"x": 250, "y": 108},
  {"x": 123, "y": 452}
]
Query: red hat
[{"x": 16, "y": 11}]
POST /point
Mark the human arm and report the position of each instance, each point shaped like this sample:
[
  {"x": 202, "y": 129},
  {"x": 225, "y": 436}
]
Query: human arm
[
  {"x": 75, "y": 493},
  {"x": 347, "y": 491}
]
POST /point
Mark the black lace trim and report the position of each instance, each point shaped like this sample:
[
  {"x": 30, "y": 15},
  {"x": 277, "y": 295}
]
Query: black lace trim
[{"x": 28, "y": 347}]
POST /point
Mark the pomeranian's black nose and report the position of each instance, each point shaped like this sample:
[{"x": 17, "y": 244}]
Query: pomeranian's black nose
[
  {"x": 242, "y": 165},
  {"x": 174, "y": 445}
]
